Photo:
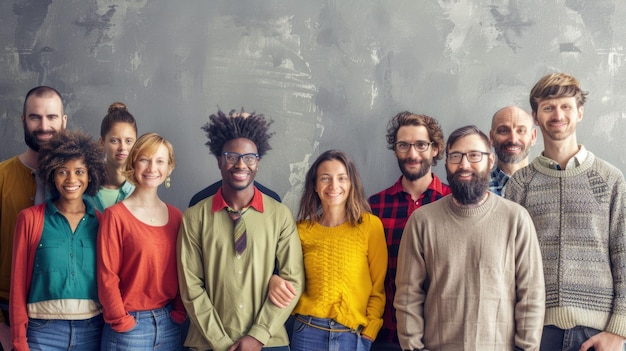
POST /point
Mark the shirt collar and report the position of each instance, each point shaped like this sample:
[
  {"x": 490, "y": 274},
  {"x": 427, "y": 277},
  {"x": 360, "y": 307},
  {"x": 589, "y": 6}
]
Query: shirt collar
[
  {"x": 434, "y": 185},
  {"x": 573, "y": 162},
  {"x": 89, "y": 209},
  {"x": 219, "y": 203}
]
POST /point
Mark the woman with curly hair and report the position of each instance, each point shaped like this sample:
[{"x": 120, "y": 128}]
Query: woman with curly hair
[
  {"x": 137, "y": 278},
  {"x": 345, "y": 260},
  {"x": 54, "y": 297}
]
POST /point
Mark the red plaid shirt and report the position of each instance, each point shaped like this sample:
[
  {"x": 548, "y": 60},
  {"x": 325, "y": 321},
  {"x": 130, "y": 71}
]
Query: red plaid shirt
[{"x": 394, "y": 206}]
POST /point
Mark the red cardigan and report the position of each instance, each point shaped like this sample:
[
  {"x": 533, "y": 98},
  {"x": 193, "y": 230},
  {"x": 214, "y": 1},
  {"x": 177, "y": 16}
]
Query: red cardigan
[{"x": 28, "y": 230}]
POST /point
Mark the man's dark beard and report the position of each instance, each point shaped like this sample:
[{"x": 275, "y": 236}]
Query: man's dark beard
[
  {"x": 424, "y": 169},
  {"x": 31, "y": 140},
  {"x": 507, "y": 158},
  {"x": 469, "y": 192}
]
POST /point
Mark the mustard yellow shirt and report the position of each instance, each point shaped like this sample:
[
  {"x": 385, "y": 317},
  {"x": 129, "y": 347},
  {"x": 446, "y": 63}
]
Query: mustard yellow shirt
[{"x": 345, "y": 270}]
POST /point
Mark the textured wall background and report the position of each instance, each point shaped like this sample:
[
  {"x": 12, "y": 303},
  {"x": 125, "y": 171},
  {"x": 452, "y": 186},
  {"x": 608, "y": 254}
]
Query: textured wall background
[{"x": 329, "y": 73}]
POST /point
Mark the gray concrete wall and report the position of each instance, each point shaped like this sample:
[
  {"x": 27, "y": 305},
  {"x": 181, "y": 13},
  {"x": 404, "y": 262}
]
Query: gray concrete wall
[{"x": 329, "y": 73}]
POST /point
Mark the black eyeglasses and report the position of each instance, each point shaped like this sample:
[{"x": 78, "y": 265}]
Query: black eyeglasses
[
  {"x": 472, "y": 156},
  {"x": 233, "y": 157},
  {"x": 420, "y": 146}
]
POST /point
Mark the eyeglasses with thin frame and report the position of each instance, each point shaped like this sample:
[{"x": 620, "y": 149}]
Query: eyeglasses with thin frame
[
  {"x": 420, "y": 146},
  {"x": 472, "y": 156},
  {"x": 233, "y": 157}
]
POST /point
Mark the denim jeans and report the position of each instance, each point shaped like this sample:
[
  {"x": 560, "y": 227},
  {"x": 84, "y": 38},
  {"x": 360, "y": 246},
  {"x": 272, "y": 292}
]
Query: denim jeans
[
  {"x": 557, "y": 339},
  {"x": 308, "y": 338},
  {"x": 153, "y": 329},
  {"x": 60, "y": 334}
]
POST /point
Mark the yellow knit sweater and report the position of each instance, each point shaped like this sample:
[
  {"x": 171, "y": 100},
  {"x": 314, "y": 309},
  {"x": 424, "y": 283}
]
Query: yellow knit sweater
[{"x": 345, "y": 273}]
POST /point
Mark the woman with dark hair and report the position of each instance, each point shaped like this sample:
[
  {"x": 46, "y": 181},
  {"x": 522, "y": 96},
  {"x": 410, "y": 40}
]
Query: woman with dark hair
[
  {"x": 137, "y": 278},
  {"x": 345, "y": 260},
  {"x": 54, "y": 297},
  {"x": 118, "y": 133}
]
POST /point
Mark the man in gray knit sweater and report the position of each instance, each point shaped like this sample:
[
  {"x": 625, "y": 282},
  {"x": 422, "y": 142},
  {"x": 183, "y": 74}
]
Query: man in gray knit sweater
[{"x": 578, "y": 204}]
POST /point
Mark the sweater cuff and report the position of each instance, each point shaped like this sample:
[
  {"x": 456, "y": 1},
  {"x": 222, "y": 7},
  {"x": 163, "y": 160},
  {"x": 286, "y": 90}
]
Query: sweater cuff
[
  {"x": 617, "y": 325},
  {"x": 124, "y": 324},
  {"x": 372, "y": 329},
  {"x": 178, "y": 316}
]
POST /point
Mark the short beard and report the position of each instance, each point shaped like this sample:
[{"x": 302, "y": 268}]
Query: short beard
[
  {"x": 469, "y": 192},
  {"x": 506, "y": 158},
  {"x": 31, "y": 140},
  {"x": 425, "y": 168}
]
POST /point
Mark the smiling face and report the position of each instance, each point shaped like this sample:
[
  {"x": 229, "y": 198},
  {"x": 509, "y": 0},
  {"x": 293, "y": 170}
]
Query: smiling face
[
  {"x": 238, "y": 176},
  {"x": 557, "y": 118},
  {"x": 118, "y": 142},
  {"x": 414, "y": 164},
  {"x": 71, "y": 179},
  {"x": 332, "y": 183},
  {"x": 469, "y": 181},
  {"x": 512, "y": 134},
  {"x": 152, "y": 170},
  {"x": 43, "y": 118}
]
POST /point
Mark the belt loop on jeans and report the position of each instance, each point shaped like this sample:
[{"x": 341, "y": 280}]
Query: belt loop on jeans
[{"x": 306, "y": 322}]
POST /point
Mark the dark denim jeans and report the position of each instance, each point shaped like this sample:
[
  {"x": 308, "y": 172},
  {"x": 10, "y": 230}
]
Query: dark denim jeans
[{"x": 557, "y": 339}]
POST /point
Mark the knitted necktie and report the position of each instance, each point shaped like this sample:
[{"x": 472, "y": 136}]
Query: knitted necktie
[{"x": 239, "y": 233}]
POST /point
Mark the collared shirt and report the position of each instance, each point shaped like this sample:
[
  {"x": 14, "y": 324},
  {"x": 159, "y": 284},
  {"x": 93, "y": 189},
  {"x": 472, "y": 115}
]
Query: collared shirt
[
  {"x": 573, "y": 162},
  {"x": 63, "y": 284},
  {"x": 394, "y": 206},
  {"x": 219, "y": 203},
  {"x": 226, "y": 292},
  {"x": 498, "y": 181}
]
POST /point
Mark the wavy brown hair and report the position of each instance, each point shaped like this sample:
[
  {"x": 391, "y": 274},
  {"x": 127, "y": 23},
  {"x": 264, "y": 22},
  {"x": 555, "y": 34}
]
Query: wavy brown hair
[
  {"x": 407, "y": 118},
  {"x": 556, "y": 86},
  {"x": 310, "y": 203}
]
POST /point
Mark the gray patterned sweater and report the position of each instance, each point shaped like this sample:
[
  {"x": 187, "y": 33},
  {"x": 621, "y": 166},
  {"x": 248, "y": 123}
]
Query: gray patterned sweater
[{"x": 580, "y": 218}]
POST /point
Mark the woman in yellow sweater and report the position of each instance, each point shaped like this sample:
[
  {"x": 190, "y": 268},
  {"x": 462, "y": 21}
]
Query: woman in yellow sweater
[{"x": 345, "y": 260}]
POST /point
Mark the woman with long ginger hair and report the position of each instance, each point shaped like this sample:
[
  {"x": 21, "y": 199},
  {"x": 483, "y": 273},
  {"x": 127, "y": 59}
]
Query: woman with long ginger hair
[
  {"x": 137, "y": 279},
  {"x": 345, "y": 260}
]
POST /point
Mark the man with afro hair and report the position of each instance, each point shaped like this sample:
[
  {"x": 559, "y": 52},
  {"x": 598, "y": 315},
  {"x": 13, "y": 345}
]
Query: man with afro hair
[
  {"x": 212, "y": 189},
  {"x": 223, "y": 274}
]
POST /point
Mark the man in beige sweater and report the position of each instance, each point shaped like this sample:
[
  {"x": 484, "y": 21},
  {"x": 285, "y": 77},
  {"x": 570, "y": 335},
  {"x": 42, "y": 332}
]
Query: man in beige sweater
[{"x": 469, "y": 267}]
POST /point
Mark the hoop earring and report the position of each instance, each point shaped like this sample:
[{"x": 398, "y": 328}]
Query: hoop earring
[{"x": 168, "y": 183}]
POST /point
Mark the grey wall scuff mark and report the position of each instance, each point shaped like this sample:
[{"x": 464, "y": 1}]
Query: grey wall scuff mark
[{"x": 329, "y": 73}]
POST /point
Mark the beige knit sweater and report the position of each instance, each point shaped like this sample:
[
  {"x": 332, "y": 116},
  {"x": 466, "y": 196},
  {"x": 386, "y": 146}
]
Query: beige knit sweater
[{"x": 470, "y": 279}]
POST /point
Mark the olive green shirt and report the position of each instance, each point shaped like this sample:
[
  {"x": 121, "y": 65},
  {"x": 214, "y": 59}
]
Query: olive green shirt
[{"x": 225, "y": 293}]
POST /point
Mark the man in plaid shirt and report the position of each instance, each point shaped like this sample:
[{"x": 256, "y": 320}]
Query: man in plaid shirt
[{"x": 417, "y": 142}]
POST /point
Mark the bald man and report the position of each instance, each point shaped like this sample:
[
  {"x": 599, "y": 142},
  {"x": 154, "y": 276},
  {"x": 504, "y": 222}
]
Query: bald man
[{"x": 512, "y": 135}]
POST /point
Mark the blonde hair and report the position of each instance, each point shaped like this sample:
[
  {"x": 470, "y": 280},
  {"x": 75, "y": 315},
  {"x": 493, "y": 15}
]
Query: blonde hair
[{"x": 147, "y": 144}]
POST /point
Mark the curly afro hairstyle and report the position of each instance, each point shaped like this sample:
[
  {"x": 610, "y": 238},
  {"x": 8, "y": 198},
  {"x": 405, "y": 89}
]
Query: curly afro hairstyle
[
  {"x": 67, "y": 146},
  {"x": 221, "y": 128}
]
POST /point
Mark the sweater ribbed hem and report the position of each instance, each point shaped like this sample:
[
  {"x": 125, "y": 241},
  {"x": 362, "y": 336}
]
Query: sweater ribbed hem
[{"x": 569, "y": 317}]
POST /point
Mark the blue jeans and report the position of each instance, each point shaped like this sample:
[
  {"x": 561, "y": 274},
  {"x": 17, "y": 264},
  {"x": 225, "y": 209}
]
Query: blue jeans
[
  {"x": 59, "y": 334},
  {"x": 307, "y": 336},
  {"x": 557, "y": 339},
  {"x": 153, "y": 329}
]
